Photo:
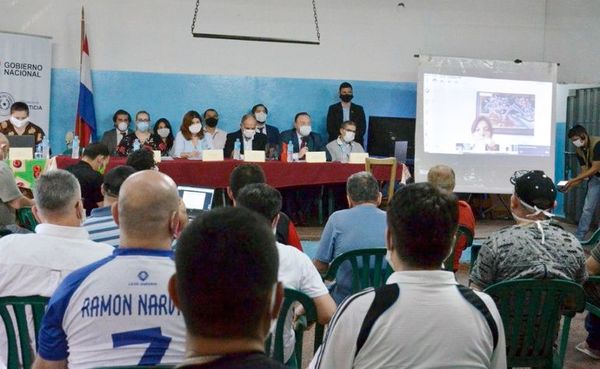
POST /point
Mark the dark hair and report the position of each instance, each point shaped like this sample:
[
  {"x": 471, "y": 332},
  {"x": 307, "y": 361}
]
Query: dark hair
[
  {"x": 141, "y": 159},
  {"x": 187, "y": 122},
  {"x": 93, "y": 150},
  {"x": 345, "y": 85},
  {"x": 209, "y": 109},
  {"x": 19, "y": 106},
  {"x": 169, "y": 138},
  {"x": 258, "y": 106},
  {"x": 121, "y": 112},
  {"x": 261, "y": 198},
  {"x": 226, "y": 267},
  {"x": 423, "y": 220},
  {"x": 244, "y": 175},
  {"x": 114, "y": 179},
  {"x": 362, "y": 187},
  {"x": 577, "y": 130},
  {"x": 300, "y": 114},
  {"x": 348, "y": 123},
  {"x": 482, "y": 119}
]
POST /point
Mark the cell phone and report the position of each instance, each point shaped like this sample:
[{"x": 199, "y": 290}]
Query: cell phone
[{"x": 561, "y": 185}]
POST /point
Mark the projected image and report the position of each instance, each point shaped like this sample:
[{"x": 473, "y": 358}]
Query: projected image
[{"x": 508, "y": 113}]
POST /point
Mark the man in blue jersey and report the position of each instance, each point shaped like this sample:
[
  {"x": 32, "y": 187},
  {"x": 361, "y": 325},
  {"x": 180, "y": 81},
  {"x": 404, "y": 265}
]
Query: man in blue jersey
[{"x": 117, "y": 311}]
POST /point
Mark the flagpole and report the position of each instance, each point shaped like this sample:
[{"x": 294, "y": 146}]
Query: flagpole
[{"x": 78, "y": 124}]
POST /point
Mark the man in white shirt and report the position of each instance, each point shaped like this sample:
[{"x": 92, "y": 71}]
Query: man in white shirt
[
  {"x": 117, "y": 311},
  {"x": 35, "y": 264},
  {"x": 422, "y": 318},
  {"x": 296, "y": 270},
  {"x": 215, "y": 136}
]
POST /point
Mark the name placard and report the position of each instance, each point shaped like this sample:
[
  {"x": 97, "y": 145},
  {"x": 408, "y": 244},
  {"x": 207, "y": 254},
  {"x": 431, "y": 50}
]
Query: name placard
[
  {"x": 256, "y": 156},
  {"x": 316, "y": 157},
  {"x": 358, "y": 157}
]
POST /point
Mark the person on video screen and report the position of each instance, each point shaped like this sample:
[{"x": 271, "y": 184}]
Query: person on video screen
[{"x": 483, "y": 131}]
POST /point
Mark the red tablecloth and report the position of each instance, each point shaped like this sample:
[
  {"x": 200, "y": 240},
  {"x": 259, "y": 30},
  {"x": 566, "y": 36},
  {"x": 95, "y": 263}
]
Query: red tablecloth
[{"x": 279, "y": 174}]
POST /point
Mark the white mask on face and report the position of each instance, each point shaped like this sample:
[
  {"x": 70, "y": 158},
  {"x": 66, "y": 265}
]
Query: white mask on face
[
  {"x": 122, "y": 126},
  {"x": 249, "y": 133},
  {"x": 18, "y": 122},
  {"x": 163, "y": 132},
  {"x": 349, "y": 136},
  {"x": 578, "y": 142},
  {"x": 261, "y": 117},
  {"x": 305, "y": 130},
  {"x": 195, "y": 128}
]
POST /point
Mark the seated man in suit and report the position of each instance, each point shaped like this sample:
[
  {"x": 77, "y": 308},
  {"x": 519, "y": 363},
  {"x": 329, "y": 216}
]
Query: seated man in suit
[
  {"x": 113, "y": 137},
  {"x": 302, "y": 137},
  {"x": 344, "y": 111},
  {"x": 247, "y": 135},
  {"x": 260, "y": 113},
  {"x": 19, "y": 124}
]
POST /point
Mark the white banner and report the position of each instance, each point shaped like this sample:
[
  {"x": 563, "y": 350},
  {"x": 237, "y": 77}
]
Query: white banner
[{"x": 25, "y": 68}]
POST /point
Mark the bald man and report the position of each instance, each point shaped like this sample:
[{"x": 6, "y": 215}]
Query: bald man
[
  {"x": 117, "y": 311},
  {"x": 443, "y": 177}
]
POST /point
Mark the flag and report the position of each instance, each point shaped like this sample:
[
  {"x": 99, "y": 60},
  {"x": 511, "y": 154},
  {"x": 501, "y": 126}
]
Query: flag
[{"x": 85, "y": 122}]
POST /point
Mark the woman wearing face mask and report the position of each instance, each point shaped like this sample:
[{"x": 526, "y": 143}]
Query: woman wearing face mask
[
  {"x": 143, "y": 136},
  {"x": 190, "y": 140},
  {"x": 163, "y": 129},
  {"x": 340, "y": 148}
]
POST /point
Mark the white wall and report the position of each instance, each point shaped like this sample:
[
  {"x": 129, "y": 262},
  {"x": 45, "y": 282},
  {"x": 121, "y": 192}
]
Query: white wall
[{"x": 361, "y": 39}]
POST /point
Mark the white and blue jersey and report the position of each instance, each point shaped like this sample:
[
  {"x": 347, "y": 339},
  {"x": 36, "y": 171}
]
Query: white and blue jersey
[{"x": 116, "y": 311}]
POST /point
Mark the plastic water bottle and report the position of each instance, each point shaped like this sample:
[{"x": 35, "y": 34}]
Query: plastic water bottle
[
  {"x": 236, "y": 149},
  {"x": 136, "y": 145},
  {"x": 46, "y": 147},
  {"x": 290, "y": 152},
  {"x": 75, "y": 151},
  {"x": 39, "y": 151}
]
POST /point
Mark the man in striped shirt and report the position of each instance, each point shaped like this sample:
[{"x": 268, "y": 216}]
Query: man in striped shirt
[{"x": 100, "y": 224}]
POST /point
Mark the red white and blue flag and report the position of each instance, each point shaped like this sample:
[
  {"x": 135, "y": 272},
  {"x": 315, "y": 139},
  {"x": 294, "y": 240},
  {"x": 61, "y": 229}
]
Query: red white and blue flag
[{"x": 85, "y": 123}]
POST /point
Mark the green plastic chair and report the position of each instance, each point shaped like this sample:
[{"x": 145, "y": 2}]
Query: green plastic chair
[
  {"x": 461, "y": 232},
  {"x": 531, "y": 311},
  {"x": 291, "y": 297},
  {"x": 5, "y": 232},
  {"x": 363, "y": 276},
  {"x": 21, "y": 338},
  {"x": 592, "y": 241},
  {"x": 26, "y": 219},
  {"x": 593, "y": 309}
]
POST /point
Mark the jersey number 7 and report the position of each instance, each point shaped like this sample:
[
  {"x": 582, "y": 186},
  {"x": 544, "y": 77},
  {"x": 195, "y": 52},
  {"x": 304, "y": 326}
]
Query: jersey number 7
[{"x": 155, "y": 351}]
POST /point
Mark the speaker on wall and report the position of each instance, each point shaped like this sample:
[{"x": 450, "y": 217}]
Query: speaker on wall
[{"x": 384, "y": 132}]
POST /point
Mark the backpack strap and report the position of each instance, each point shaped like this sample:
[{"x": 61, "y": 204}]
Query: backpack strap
[
  {"x": 478, "y": 303},
  {"x": 385, "y": 296}
]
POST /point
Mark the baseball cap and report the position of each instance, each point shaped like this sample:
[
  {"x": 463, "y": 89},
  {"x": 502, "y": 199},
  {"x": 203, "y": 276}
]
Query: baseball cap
[{"x": 534, "y": 188}]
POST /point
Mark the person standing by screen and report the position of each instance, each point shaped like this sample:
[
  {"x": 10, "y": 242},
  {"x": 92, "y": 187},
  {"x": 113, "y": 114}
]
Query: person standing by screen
[
  {"x": 344, "y": 111},
  {"x": 588, "y": 155}
]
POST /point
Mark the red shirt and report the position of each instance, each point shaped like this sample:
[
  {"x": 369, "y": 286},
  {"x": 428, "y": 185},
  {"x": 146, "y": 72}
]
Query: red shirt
[{"x": 465, "y": 219}]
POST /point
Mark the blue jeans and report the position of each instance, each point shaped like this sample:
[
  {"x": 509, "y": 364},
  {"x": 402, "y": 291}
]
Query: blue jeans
[{"x": 589, "y": 207}]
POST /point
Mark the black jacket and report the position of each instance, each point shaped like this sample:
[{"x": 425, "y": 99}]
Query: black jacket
[
  {"x": 335, "y": 117},
  {"x": 259, "y": 142}
]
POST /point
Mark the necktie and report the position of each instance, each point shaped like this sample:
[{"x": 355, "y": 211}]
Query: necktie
[
  {"x": 304, "y": 143},
  {"x": 261, "y": 130}
]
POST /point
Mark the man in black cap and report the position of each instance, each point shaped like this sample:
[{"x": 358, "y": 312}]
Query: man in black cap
[{"x": 533, "y": 248}]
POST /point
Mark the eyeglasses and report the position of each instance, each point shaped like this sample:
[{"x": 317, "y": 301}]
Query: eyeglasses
[{"x": 349, "y": 130}]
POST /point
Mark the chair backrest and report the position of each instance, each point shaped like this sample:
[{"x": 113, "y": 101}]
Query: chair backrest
[
  {"x": 5, "y": 232},
  {"x": 592, "y": 241},
  {"x": 371, "y": 162},
  {"x": 461, "y": 233},
  {"x": 26, "y": 218},
  {"x": 291, "y": 297},
  {"x": 19, "y": 337},
  {"x": 531, "y": 311},
  {"x": 369, "y": 267}
]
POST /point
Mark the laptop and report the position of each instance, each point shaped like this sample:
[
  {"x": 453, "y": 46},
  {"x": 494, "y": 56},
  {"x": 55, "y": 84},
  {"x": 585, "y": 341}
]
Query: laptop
[
  {"x": 400, "y": 151},
  {"x": 196, "y": 199},
  {"x": 25, "y": 141}
]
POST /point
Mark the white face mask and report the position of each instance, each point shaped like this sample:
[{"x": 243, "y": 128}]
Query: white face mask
[
  {"x": 578, "y": 142},
  {"x": 305, "y": 130},
  {"x": 261, "y": 117},
  {"x": 18, "y": 122},
  {"x": 163, "y": 132},
  {"x": 122, "y": 126},
  {"x": 143, "y": 126},
  {"x": 249, "y": 133},
  {"x": 349, "y": 136},
  {"x": 195, "y": 128}
]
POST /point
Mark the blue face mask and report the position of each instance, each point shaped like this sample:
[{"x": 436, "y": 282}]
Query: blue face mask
[{"x": 143, "y": 126}]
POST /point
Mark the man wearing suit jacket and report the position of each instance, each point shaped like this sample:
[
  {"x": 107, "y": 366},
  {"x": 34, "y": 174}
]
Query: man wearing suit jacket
[
  {"x": 302, "y": 136},
  {"x": 260, "y": 113},
  {"x": 247, "y": 135},
  {"x": 344, "y": 111},
  {"x": 112, "y": 137}
]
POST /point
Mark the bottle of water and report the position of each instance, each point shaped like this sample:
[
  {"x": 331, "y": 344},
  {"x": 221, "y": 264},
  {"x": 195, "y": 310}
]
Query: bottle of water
[
  {"x": 236, "y": 149},
  {"x": 290, "y": 152},
  {"x": 136, "y": 145},
  {"x": 46, "y": 147},
  {"x": 39, "y": 151},
  {"x": 75, "y": 151}
]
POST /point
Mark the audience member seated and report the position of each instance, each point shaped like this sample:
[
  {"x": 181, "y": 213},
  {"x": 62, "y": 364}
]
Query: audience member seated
[
  {"x": 443, "y": 177},
  {"x": 260, "y": 113},
  {"x": 295, "y": 268},
  {"x": 112, "y": 138},
  {"x": 227, "y": 324},
  {"x": 216, "y": 137},
  {"x": 88, "y": 172},
  {"x": 190, "y": 140},
  {"x": 11, "y": 198},
  {"x": 360, "y": 227},
  {"x": 101, "y": 313},
  {"x": 591, "y": 346},
  {"x": 344, "y": 111},
  {"x": 533, "y": 248},
  {"x": 340, "y": 148},
  {"x": 19, "y": 125},
  {"x": 247, "y": 136},
  {"x": 141, "y": 160},
  {"x": 422, "y": 317},
  {"x": 35, "y": 264},
  {"x": 246, "y": 174},
  {"x": 163, "y": 129},
  {"x": 302, "y": 137},
  {"x": 100, "y": 224},
  {"x": 142, "y": 137}
]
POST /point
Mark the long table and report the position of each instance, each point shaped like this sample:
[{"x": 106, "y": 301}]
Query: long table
[{"x": 279, "y": 174}]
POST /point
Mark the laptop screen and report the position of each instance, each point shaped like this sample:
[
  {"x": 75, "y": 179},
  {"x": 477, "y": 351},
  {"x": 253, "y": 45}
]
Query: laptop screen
[
  {"x": 196, "y": 198},
  {"x": 22, "y": 141}
]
